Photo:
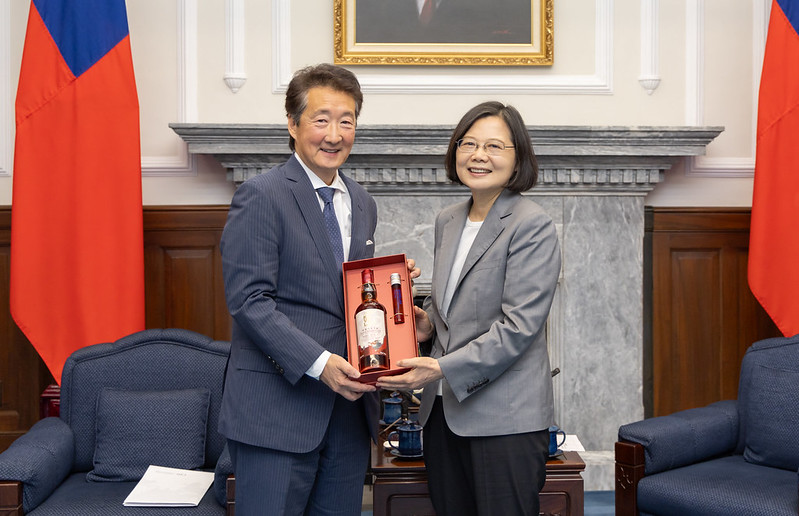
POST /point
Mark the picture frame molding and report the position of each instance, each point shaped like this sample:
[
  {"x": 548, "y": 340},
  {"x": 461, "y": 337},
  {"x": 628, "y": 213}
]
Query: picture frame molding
[{"x": 538, "y": 53}]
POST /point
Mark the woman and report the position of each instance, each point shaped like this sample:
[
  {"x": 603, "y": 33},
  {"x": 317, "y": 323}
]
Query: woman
[{"x": 487, "y": 403}]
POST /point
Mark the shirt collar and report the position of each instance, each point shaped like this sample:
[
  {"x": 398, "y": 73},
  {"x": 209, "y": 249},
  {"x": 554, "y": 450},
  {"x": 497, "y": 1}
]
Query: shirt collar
[{"x": 317, "y": 183}]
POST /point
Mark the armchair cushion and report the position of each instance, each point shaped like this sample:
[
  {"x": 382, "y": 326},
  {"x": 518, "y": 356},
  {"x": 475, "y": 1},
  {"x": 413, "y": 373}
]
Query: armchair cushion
[
  {"x": 727, "y": 486},
  {"x": 137, "y": 428},
  {"x": 77, "y": 497},
  {"x": 685, "y": 437},
  {"x": 40, "y": 459},
  {"x": 771, "y": 405}
]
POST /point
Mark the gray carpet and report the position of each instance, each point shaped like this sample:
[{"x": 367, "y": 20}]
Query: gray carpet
[
  {"x": 597, "y": 503},
  {"x": 600, "y": 503}
]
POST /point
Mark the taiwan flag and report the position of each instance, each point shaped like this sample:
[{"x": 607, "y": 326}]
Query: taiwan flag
[
  {"x": 77, "y": 258},
  {"x": 774, "y": 230}
]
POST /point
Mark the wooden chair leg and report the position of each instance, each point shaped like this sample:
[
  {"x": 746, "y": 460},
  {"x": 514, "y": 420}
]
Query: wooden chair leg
[
  {"x": 629, "y": 471},
  {"x": 10, "y": 498},
  {"x": 230, "y": 502}
]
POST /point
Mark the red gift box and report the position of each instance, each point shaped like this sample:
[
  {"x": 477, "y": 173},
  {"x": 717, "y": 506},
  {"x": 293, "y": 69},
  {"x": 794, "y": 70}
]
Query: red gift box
[{"x": 401, "y": 336}]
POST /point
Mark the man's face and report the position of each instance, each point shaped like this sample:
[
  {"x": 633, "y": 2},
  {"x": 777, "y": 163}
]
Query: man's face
[{"x": 324, "y": 135}]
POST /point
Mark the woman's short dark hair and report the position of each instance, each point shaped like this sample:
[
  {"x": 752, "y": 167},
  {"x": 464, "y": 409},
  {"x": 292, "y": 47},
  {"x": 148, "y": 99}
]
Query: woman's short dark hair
[
  {"x": 525, "y": 174},
  {"x": 321, "y": 75}
]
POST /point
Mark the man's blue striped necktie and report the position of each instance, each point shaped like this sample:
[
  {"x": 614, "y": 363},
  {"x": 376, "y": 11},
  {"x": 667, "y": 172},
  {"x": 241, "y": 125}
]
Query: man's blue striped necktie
[{"x": 331, "y": 223}]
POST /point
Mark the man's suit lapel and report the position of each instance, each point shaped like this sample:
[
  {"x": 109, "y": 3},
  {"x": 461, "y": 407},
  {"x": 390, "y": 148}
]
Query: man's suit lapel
[{"x": 307, "y": 200}]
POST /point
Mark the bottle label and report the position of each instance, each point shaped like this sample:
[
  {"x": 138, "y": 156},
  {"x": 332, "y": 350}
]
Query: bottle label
[{"x": 370, "y": 327}]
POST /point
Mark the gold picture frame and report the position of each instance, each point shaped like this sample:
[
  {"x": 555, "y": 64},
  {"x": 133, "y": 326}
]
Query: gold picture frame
[{"x": 464, "y": 35}]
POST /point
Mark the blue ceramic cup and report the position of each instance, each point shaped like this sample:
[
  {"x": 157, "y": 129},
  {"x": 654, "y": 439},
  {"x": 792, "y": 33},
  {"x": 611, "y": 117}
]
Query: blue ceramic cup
[
  {"x": 392, "y": 409},
  {"x": 556, "y": 439},
  {"x": 409, "y": 439}
]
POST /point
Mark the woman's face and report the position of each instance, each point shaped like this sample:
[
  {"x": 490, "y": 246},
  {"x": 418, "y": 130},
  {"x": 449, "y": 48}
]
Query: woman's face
[{"x": 486, "y": 170}]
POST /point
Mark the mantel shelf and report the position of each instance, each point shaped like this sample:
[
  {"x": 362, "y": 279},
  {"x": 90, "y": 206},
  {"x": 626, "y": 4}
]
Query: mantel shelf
[{"x": 384, "y": 158}]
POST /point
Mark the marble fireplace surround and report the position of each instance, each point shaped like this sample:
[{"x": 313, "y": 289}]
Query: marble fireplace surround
[{"x": 592, "y": 182}]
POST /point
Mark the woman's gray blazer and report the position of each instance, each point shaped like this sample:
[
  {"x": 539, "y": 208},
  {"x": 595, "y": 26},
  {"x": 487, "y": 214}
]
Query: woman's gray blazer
[{"x": 491, "y": 345}]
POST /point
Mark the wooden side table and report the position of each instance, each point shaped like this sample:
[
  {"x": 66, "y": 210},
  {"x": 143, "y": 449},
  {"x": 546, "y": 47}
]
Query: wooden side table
[{"x": 400, "y": 486}]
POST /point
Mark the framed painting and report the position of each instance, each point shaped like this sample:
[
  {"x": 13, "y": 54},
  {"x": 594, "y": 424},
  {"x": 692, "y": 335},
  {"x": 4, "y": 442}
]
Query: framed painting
[{"x": 443, "y": 32}]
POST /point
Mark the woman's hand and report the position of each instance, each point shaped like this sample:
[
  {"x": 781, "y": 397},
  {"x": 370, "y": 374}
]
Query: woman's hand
[{"x": 424, "y": 370}]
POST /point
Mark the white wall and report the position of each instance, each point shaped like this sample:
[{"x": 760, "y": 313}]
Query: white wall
[{"x": 707, "y": 55}]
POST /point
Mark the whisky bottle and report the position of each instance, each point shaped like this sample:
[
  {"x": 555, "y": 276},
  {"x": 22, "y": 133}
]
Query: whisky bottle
[{"x": 370, "y": 327}]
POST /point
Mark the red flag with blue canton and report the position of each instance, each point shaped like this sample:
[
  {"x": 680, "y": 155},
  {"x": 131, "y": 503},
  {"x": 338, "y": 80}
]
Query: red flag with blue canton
[
  {"x": 774, "y": 230},
  {"x": 77, "y": 258}
]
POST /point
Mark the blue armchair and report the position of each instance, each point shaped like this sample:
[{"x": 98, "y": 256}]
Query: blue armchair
[
  {"x": 734, "y": 457},
  {"x": 150, "y": 398}
]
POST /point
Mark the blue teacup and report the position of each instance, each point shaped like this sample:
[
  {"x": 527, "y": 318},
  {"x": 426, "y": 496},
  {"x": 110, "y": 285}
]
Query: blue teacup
[
  {"x": 392, "y": 409},
  {"x": 554, "y": 442},
  {"x": 409, "y": 439}
]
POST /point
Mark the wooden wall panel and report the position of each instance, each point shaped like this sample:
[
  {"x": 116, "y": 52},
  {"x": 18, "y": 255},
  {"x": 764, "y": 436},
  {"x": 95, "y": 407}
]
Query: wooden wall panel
[
  {"x": 183, "y": 270},
  {"x": 703, "y": 315},
  {"x": 23, "y": 375}
]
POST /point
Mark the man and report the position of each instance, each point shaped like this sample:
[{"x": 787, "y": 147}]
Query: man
[{"x": 297, "y": 421}]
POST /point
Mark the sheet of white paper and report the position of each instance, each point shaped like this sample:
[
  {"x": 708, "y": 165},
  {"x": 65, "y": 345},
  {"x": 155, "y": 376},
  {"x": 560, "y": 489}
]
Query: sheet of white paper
[
  {"x": 572, "y": 443},
  {"x": 170, "y": 487}
]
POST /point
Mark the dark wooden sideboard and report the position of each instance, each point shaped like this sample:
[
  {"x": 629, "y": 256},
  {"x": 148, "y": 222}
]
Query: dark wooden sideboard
[{"x": 400, "y": 486}]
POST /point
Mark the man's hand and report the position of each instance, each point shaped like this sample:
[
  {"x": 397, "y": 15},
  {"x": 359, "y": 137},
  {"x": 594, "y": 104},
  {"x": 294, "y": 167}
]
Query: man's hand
[
  {"x": 424, "y": 328},
  {"x": 424, "y": 370},
  {"x": 338, "y": 374}
]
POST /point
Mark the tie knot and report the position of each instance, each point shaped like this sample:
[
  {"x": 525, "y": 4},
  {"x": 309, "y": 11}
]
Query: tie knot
[{"x": 326, "y": 193}]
